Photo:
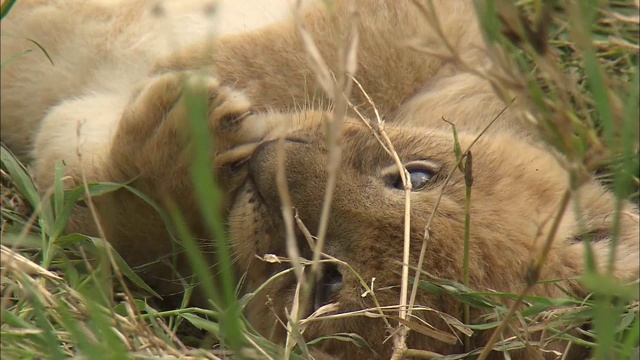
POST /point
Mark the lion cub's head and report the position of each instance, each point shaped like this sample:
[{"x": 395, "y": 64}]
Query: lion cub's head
[{"x": 515, "y": 198}]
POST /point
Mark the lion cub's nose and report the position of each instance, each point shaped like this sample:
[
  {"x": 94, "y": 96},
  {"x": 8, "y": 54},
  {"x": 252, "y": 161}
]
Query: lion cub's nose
[
  {"x": 263, "y": 166},
  {"x": 304, "y": 171},
  {"x": 265, "y": 156},
  {"x": 327, "y": 287},
  {"x": 260, "y": 157},
  {"x": 267, "y": 151}
]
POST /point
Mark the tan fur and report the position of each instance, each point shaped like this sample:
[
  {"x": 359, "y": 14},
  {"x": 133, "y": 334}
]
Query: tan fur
[{"x": 132, "y": 126}]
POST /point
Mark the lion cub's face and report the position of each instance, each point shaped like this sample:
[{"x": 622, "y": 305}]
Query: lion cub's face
[{"x": 515, "y": 192}]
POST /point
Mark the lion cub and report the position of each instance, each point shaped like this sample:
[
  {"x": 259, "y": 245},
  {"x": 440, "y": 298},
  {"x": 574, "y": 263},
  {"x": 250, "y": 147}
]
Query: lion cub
[{"x": 119, "y": 102}]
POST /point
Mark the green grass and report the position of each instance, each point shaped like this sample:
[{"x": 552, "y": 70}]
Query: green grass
[
  {"x": 67, "y": 295},
  {"x": 576, "y": 66}
]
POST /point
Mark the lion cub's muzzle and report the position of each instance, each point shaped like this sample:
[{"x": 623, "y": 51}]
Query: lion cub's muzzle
[
  {"x": 305, "y": 181},
  {"x": 327, "y": 286}
]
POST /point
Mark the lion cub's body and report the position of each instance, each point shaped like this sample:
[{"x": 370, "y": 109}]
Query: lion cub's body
[{"x": 114, "y": 96}]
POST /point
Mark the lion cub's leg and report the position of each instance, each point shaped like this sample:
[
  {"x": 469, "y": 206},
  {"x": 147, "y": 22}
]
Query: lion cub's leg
[
  {"x": 78, "y": 132},
  {"x": 144, "y": 138},
  {"x": 152, "y": 147},
  {"x": 152, "y": 141}
]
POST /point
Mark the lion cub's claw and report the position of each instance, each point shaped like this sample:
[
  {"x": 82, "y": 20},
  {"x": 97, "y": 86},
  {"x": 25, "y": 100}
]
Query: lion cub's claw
[{"x": 153, "y": 131}]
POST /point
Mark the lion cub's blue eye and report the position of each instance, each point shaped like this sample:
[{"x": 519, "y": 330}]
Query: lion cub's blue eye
[
  {"x": 421, "y": 174},
  {"x": 419, "y": 178}
]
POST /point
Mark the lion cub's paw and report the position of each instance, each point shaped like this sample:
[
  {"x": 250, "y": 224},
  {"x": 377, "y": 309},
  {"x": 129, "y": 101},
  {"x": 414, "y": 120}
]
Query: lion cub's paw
[{"x": 154, "y": 130}]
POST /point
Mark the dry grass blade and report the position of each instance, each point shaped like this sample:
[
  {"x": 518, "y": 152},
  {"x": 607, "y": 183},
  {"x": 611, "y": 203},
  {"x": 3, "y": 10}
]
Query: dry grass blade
[
  {"x": 432, "y": 333},
  {"x": 12, "y": 260},
  {"x": 336, "y": 86},
  {"x": 382, "y": 137},
  {"x": 532, "y": 277},
  {"x": 333, "y": 88},
  {"x": 293, "y": 333},
  {"x": 50, "y": 290}
]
